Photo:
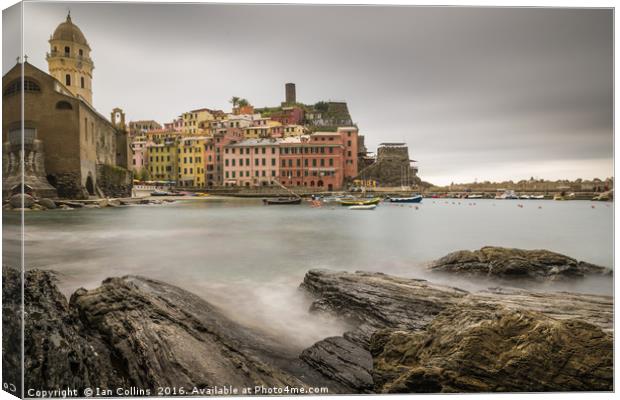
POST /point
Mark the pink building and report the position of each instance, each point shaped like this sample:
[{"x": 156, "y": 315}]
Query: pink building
[
  {"x": 214, "y": 153},
  {"x": 349, "y": 137},
  {"x": 252, "y": 162},
  {"x": 139, "y": 158},
  {"x": 289, "y": 116},
  {"x": 175, "y": 125}
]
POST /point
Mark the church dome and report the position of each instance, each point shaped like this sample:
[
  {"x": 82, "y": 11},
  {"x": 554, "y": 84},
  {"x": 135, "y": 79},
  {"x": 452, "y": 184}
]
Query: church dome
[{"x": 68, "y": 31}]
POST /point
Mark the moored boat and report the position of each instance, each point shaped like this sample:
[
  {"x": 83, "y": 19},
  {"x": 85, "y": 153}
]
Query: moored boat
[
  {"x": 282, "y": 200},
  {"x": 411, "y": 199},
  {"x": 360, "y": 202},
  {"x": 160, "y": 193},
  {"x": 366, "y": 207}
]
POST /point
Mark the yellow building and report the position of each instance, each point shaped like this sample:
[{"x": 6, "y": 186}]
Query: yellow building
[
  {"x": 163, "y": 160},
  {"x": 256, "y": 132},
  {"x": 196, "y": 122},
  {"x": 191, "y": 165},
  {"x": 69, "y": 60},
  {"x": 293, "y": 130}
]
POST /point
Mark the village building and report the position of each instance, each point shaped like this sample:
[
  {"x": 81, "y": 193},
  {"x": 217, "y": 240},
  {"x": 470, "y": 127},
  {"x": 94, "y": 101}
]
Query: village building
[
  {"x": 252, "y": 162},
  {"x": 81, "y": 152}
]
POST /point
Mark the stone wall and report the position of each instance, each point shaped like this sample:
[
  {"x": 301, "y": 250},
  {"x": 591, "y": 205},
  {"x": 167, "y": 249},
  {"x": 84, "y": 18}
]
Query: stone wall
[
  {"x": 391, "y": 168},
  {"x": 114, "y": 181},
  {"x": 68, "y": 185}
]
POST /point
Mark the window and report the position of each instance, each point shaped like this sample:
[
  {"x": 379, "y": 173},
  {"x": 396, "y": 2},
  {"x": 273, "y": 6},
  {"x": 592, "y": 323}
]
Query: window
[
  {"x": 82, "y": 82},
  {"x": 64, "y": 105},
  {"x": 273, "y": 162},
  {"x": 16, "y": 87},
  {"x": 67, "y": 51},
  {"x": 81, "y": 52},
  {"x": 68, "y": 80}
]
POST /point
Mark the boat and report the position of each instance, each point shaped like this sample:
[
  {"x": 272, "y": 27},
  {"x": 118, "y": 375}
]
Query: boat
[
  {"x": 525, "y": 197},
  {"x": 559, "y": 196},
  {"x": 475, "y": 196},
  {"x": 537, "y": 197},
  {"x": 507, "y": 195},
  {"x": 157, "y": 192},
  {"x": 366, "y": 207},
  {"x": 282, "y": 200},
  {"x": 360, "y": 202},
  {"x": 411, "y": 199}
]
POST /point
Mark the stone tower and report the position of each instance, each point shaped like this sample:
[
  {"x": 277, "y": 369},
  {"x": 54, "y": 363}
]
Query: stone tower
[
  {"x": 69, "y": 60},
  {"x": 291, "y": 97}
]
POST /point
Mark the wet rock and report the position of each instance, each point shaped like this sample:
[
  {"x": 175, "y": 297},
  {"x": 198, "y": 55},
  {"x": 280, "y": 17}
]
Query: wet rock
[
  {"x": 165, "y": 336},
  {"x": 491, "y": 348},
  {"x": 59, "y": 350},
  {"x": 47, "y": 203},
  {"x": 342, "y": 361},
  {"x": 72, "y": 204},
  {"x": 504, "y": 262},
  {"x": 17, "y": 200},
  {"x": 37, "y": 207},
  {"x": 387, "y": 310}
]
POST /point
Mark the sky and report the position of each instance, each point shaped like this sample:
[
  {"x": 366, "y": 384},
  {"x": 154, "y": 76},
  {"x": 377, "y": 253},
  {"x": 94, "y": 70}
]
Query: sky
[{"x": 477, "y": 93}]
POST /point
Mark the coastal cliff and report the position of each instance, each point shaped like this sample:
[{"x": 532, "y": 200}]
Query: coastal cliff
[{"x": 408, "y": 336}]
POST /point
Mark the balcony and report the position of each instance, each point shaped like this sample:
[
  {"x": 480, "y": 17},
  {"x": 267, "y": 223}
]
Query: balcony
[{"x": 52, "y": 54}]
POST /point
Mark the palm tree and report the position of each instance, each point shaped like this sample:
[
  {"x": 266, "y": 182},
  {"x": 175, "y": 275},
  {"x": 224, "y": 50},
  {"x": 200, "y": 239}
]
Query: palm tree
[{"x": 234, "y": 101}]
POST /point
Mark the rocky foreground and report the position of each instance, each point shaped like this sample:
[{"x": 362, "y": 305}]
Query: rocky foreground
[
  {"x": 502, "y": 262},
  {"x": 408, "y": 336}
]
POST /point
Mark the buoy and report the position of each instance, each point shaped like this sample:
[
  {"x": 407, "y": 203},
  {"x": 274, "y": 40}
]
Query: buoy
[
  {"x": 593, "y": 206},
  {"x": 416, "y": 207}
]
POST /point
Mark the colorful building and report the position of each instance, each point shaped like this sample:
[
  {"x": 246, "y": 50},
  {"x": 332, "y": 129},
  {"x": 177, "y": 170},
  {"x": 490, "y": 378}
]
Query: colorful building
[
  {"x": 252, "y": 162},
  {"x": 313, "y": 161},
  {"x": 191, "y": 161},
  {"x": 196, "y": 121},
  {"x": 162, "y": 160},
  {"x": 214, "y": 153}
]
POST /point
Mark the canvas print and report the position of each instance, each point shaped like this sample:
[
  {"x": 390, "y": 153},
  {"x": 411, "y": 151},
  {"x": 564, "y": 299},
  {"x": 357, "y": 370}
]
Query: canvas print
[{"x": 233, "y": 199}]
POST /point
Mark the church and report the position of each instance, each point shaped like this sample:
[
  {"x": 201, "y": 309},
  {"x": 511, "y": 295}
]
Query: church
[{"x": 70, "y": 150}]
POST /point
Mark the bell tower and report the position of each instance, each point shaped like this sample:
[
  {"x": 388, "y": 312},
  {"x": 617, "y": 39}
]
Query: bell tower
[{"x": 69, "y": 59}]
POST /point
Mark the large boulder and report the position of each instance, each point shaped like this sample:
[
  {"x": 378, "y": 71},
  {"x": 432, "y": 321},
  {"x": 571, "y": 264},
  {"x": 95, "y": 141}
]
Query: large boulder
[
  {"x": 167, "y": 337},
  {"x": 501, "y": 262},
  {"x": 18, "y": 199},
  {"x": 47, "y": 203},
  {"x": 493, "y": 348},
  {"x": 385, "y": 311}
]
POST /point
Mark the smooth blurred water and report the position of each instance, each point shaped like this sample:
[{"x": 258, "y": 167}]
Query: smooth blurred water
[{"x": 249, "y": 258}]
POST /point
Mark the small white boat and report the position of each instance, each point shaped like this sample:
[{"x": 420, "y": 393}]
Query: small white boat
[
  {"x": 364, "y": 207},
  {"x": 525, "y": 197},
  {"x": 474, "y": 196},
  {"x": 538, "y": 197}
]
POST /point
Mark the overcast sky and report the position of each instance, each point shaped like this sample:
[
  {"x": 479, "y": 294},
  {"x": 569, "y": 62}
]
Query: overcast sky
[{"x": 477, "y": 93}]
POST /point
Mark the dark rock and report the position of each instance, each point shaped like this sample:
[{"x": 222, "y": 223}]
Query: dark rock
[
  {"x": 59, "y": 350},
  {"x": 374, "y": 301},
  {"x": 515, "y": 263},
  {"x": 493, "y": 348},
  {"x": 342, "y": 361},
  {"x": 16, "y": 200},
  {"x": 47, "y": 203},
  {"x": 381, "y": 306},
  {"x": 165, "y": 336}
]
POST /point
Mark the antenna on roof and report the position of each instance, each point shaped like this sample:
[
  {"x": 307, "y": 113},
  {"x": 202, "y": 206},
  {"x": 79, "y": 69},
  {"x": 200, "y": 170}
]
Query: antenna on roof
[{"x": 68, "y": 14}]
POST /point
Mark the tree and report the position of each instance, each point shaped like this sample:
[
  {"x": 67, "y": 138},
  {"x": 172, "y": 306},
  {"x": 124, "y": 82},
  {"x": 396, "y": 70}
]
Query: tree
[
  {"x": 243, "y": 102},
  {"x": 234, "y": 101}
]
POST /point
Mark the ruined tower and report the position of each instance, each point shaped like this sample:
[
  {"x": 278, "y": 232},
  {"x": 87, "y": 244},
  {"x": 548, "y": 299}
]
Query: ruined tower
[{"x": 291, "y": 97}]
